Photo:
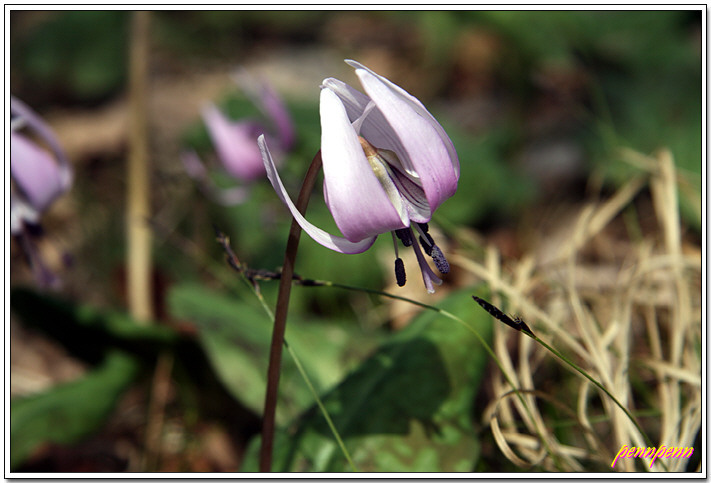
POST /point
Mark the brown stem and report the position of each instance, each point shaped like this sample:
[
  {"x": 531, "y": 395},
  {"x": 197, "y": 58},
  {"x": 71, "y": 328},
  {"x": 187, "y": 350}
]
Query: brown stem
[
  {"x": 282, "y": 307},
  {"x": 160, "y": 391}
]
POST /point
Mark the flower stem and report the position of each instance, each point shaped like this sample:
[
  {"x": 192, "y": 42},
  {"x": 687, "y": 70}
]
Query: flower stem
[
  {"x": 235, "y": 264},
  {"x": 282, "y": 307}
]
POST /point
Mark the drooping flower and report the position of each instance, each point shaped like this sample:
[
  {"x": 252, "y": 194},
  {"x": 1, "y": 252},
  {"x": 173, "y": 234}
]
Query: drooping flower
[
  {"x": 38, "y": 179},
  {"x": 234, "y": 141},
  {"x": 387, "y": 163}
]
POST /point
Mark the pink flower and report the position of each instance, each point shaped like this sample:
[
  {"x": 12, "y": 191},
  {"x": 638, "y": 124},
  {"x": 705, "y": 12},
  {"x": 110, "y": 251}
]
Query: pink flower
[
  {"x": 38, "y": 179},
  {"x": 388, "y": 164},
  {"x": 234, "y": 141}
]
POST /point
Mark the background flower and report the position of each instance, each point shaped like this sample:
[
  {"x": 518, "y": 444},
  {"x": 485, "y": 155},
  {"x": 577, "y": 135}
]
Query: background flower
[
  {"x": 38, "y": 179},
  {"x": 235, "y": 141}
]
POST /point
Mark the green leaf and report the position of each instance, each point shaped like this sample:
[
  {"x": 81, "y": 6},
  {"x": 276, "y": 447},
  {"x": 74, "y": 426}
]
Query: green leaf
[
  {"x": 69, "y": 412},
  {"x": 406, "y": 408},
  {"x": 236, "y": 337}
]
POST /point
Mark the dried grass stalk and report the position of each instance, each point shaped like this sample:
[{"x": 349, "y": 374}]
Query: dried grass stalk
[{"x": 630, "y": 317}]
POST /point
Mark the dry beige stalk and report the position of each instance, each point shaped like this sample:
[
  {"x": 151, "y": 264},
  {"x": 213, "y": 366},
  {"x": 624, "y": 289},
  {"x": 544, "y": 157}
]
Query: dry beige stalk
[{"x": 630, "y": 317}]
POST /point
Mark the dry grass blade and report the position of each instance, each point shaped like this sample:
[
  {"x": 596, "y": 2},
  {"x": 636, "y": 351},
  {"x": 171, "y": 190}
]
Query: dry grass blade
[{"x": 624, "y": 301}]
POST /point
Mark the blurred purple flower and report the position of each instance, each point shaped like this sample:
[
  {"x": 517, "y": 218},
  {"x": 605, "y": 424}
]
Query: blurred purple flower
[
  {"x": 36, "y": 173},
  {"x": 388, "y": 164},
  {"x": 234, "y": 143},
  {"x": 38, "y": 179},
  {"x": 234, "y": 140}
]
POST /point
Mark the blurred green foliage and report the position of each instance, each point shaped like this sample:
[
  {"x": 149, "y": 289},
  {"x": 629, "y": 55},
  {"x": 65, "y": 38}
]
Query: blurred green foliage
[
  {"x": 120, "y": 353},
  {"x": 81, "y": 54}
]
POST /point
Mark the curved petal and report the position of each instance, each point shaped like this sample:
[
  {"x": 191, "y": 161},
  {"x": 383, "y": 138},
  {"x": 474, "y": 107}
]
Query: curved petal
[
  {"x": 36, "y": 173},
  {"x": 374, "y": 127},
  {"x": 356, "y": 198},
  {"x": 353, "y": 100},
  {"x": 333, "y": 242},
  {"x": 234, "y": 143},
  {"x": 419, "y": 108},
  {"x": 427, "y": 151}
]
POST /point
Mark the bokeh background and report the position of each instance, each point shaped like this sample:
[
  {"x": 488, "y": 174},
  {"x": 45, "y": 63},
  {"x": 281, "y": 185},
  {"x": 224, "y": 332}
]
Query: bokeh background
[{"x": 547, "y": 111}]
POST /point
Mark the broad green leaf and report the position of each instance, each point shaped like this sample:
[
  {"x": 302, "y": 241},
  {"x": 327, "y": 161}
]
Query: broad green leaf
[
  {"x": 69, "y": 412},
  {"x": 236, "y": 336},
  {"x": 406, "y": 408}
]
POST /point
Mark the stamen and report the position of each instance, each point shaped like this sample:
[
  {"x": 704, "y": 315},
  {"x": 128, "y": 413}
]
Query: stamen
[
  {"x": 399, "y": 265},
  {"x": 440, "y": 262},
  {"x": 405, "y": 236},
  {"x": 400, "y": 272},
  {"x": 397, "y": 254},
  {"x": 427, "y": 244},
  {"x": 425, "y": 238},
  {"x": 432, "y": 250}
]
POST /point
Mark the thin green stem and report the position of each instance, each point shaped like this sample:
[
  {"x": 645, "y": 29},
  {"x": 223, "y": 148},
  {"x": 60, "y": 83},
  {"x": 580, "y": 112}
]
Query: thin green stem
[
  {"x": 312, "y": 389},
  {"x": 310, "y": 385},
  {"x": 234, "y": 262},
  {"x": 321, "y": 406},
  {"x": 596, "y": 383}
]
